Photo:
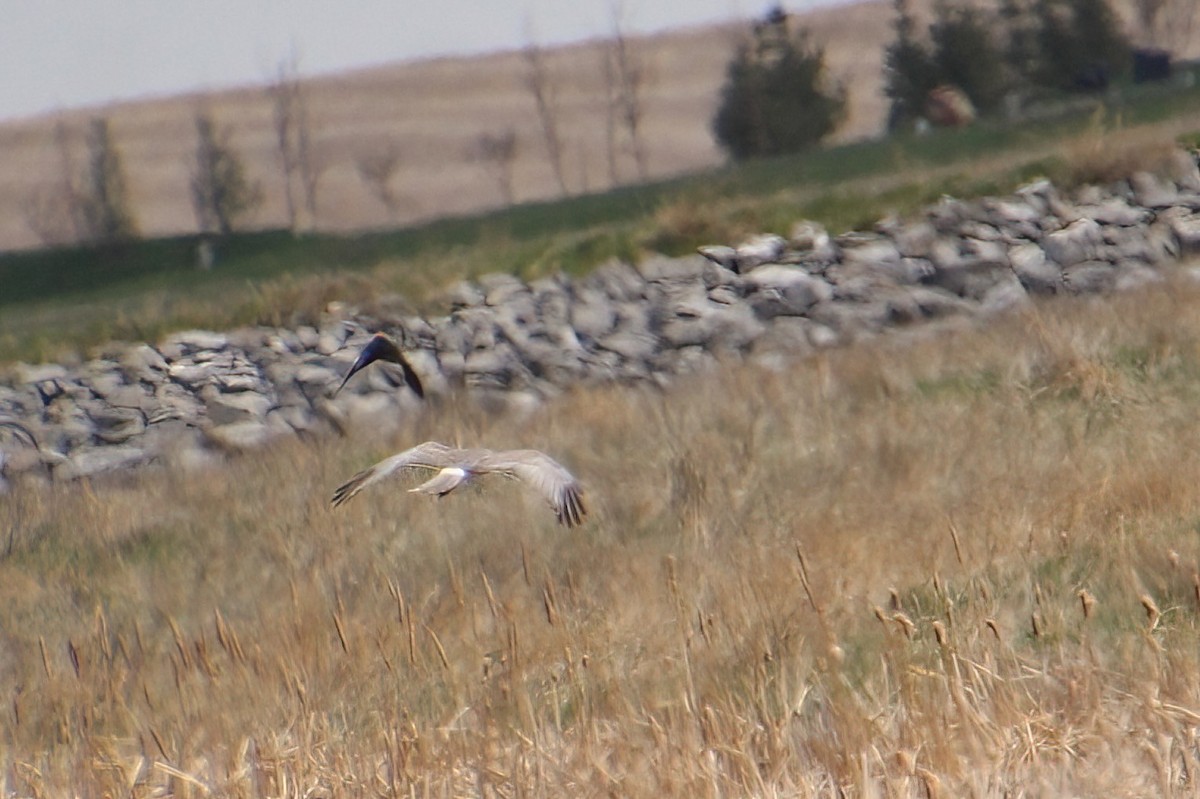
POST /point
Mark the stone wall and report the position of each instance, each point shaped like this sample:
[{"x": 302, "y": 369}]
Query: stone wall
[{"x": 511, "y": 344}]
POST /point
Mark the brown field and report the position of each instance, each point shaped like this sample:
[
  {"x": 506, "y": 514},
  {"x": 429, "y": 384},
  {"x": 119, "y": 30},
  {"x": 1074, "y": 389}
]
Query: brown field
[
  {"x": 965, "y": 565},
  {"x": 433, "y": 112}
]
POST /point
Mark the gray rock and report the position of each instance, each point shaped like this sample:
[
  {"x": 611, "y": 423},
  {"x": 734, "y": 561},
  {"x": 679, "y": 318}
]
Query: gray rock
[
  {"x": 224, "y": 409},
  {"x": 39, "y": 373},
  {"x": 188, "y": 342},
  {"x": 233, "y": 383},
  {"x": 143, "y": 362},
  {"x": 463, "y": 294},
  {"x": 1186, "y": 230},
  {"x": 1090, "y": 277},
  {"x": 91, "y": 462},
  {"x": 240, "y": 436},
  {"x": 916, "y": 240},
  {"x": 659, "y": 268},
  {"x": 789, "y": 335},
  {"x": 1036, "y": 273},
  {"x": 880, "y": 255},
  {"x": 1115, "y": 211},
  {"x": 115, "y": 425},
  {"x": 630, "y": 345},
  {"x": 617, "y": 280},
  {"x": 720, "y": 254},
  {"x": 1151, "y": 191},
  {"x": 766, "y": 248},
  {"x": 192, "y": 375},
  {"x": 1004, "y": 296},
  {"x": 1074, "y": 244},
  {"x": 776, "y": 290}
]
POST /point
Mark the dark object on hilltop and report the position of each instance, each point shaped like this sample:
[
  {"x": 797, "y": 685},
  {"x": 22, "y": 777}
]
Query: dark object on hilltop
[{"x": 1150, "y": 64}]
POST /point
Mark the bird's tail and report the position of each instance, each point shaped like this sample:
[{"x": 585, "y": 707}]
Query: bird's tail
[{"x": 443, "y": 482}]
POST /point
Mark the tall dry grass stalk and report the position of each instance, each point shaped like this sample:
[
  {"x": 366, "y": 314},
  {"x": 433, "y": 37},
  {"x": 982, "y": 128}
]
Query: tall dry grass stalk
[{"x": 815, "y": 581}]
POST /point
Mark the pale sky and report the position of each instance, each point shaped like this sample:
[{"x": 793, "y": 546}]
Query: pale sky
[{"x": 57, "y": 54}]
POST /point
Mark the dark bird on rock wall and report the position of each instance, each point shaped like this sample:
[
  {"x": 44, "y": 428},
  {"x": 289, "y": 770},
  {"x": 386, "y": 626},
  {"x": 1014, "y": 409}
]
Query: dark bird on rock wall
[
  {"x": 382, "y": 348},
  {"x": 455, "y": 467}
]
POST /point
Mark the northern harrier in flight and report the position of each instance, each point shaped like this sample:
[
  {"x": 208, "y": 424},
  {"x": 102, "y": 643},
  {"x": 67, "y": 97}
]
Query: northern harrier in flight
[
  {"x": 382, "y": 348},
  {"x": 457, "y": 466}
]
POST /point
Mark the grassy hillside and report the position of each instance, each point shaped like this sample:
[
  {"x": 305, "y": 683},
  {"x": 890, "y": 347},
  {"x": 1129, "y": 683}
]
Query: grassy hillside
[
  {"x": 965, "y": 564},
  {"x": 57, "y": 302},
  {"x": 403, "y": 106}
]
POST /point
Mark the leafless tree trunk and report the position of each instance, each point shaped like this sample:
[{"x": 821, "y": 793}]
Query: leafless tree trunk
[
  {"x": 611, "y": 113},
  {"x": 537, "y": 80},
  {"x": 376, "y": 167},
  {"x": 53, "y": 213},
  {"x": 103, "y": 197},
  {"x": 302, "y": 168},
  {"x": 630, "y": 83},
  {"x": 222, "y": 194},
  {"x": 497, "y": 152}
]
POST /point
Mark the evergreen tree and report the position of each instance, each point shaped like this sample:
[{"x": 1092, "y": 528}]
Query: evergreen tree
[
  {"x": 966, "y": 55},
  {"x": 1080, "y": 44},
  {"x": 909, "y": 70},
  {"x": 1019, "y": 26},
  {"x": 776, "y": 99}
]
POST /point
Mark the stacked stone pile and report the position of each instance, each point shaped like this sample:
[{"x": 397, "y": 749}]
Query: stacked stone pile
[{"x": 511, "y": 344}]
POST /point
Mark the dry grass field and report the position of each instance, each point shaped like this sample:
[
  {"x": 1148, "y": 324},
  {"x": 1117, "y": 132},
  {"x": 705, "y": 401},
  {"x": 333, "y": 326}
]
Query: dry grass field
[{"x": 964, "y": 562}]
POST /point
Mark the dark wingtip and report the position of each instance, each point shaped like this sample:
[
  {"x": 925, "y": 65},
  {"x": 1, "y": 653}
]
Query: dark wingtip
[
  {"x": 571, "y": 512},
  {"x": 410, "y": 377}
]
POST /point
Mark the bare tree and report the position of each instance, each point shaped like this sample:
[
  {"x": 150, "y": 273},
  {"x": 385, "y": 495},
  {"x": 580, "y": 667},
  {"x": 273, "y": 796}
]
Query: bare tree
[
  {"x": 52, "y": 212},
  {"x": 612, "y": 112},
  {"x": 497, "y": 152},
  {"x": 221, "y": 192},
  {"x": 103, "y": 198},
  {"x": 630, "y": 79},
  {"x": 537, "y": 80},
  {"x": 47, "y": 217},
  {"x": 376, "y": 168},
  {"x": 301, "y": 165}
]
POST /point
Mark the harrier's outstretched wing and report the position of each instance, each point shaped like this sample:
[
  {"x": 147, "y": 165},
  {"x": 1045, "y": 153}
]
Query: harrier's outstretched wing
[
  {"x": 430, "y": 455},
  {"x": 546, "y": 476},
  {"x": 456, "y": 466}
]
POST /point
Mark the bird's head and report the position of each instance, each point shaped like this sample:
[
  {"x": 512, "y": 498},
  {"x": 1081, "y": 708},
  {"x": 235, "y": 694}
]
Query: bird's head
[{"x": 382, "y": 348}]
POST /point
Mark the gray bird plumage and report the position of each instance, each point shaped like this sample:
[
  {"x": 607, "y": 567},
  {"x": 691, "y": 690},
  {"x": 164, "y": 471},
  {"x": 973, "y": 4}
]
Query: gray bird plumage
[{"x": 455, "y": 466}]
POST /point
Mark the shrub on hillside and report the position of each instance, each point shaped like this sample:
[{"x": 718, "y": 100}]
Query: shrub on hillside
[
  {"x": 1070, "y": 45},
  {"x": 776, "y": 98}
]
